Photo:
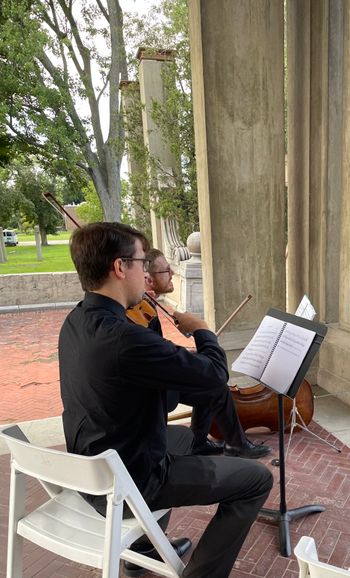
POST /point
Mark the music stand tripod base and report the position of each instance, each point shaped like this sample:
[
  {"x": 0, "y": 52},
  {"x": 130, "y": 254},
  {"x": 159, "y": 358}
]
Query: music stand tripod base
[
  {"x": 283, "y": 516},
  {"x": 283, "y": 520}
]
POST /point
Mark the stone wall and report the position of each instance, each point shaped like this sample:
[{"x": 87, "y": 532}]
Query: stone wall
[{"x": 38, "y": 288}]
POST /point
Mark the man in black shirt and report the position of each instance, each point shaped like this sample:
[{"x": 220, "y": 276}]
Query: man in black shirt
[
  {"x": 158, "y": 281},
  {"x": 114, "y": 381}
]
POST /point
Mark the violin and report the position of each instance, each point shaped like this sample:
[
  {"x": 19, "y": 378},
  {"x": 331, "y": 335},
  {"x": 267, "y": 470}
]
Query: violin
[
  {"x": 257, "y": 406},
  {"x": 143, "y": 313}
]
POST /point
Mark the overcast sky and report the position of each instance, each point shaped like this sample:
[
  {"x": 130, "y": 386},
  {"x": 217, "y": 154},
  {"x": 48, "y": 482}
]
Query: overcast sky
[{"x": 140, "y": 6}]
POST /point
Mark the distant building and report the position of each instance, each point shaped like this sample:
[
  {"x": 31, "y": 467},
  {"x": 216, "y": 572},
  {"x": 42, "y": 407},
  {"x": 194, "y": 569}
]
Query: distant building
[{"x": 68, "y": 223}]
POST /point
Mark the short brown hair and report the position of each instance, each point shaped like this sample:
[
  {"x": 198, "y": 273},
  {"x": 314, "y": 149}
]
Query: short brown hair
[
  {"x": 95, "y": 247},
  {"x": 152, "y": 255}
]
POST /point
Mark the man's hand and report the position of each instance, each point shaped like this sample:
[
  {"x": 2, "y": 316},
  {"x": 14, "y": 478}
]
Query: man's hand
[
  {"x": 188, "y": 322},
  {"x": 151, "y": 293}
]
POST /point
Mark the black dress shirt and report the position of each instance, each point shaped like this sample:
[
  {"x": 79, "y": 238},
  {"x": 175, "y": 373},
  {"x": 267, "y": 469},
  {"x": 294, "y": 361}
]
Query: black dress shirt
[{"x": 114, "y": 381}]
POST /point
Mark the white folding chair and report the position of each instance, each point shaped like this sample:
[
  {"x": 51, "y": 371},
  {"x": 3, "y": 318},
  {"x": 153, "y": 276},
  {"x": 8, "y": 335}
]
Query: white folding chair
[
  {"x": 67, "y": 525},
  {"x": 309, "y": 564}
]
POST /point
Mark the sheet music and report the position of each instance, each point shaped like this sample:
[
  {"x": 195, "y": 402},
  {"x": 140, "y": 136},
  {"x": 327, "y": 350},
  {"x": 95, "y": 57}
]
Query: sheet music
[
  {"x": 287, "y": 357},
  {"x": 254, "y": 357},
  {"x": 275, "y": 353},
  {"x": 305, "y": 309}
]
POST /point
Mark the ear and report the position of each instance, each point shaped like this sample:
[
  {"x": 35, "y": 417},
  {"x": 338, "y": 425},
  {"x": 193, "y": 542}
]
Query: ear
[
  {"x": 119, "y": 268},
  {"x": 149, "y": 282}
]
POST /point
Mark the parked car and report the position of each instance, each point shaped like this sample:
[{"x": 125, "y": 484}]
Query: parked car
[{"x": 10, "y": 238}]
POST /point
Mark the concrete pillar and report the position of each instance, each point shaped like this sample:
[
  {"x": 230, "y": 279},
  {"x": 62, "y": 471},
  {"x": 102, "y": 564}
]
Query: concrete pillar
[
  {"x": 3, "y": 256},
  {"x": 319, "y": 177},
  {"x": 314, "y": 100},
  {"x": 330, "y": 312},
  {"x": 298, "y": 98},
  {"x": 237, "y": 83},
  {"x": 131, "y": 105},
  {"x": 344, "y": 293},
  {"x": 39, "y": 253},
  {"x": 152, "y": 90}
]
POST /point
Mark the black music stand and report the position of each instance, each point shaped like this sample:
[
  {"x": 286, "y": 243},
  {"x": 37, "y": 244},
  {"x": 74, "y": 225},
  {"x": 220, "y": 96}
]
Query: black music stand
[{"x": 284, "y": 516}]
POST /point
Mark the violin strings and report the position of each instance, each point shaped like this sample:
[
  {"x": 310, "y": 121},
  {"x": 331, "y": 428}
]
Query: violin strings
[{"x": 165, "y": 311}]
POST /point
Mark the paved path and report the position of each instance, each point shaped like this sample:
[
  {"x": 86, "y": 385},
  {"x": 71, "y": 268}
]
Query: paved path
[
  {"x": 315, "y": 473},
  {"x": 51, "y": 242},
  {"x": 29, "y": 378}
]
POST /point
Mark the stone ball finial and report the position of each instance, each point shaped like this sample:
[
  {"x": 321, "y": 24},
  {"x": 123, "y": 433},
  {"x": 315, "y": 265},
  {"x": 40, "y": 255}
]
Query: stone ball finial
[{"x": 194, "y": 244}]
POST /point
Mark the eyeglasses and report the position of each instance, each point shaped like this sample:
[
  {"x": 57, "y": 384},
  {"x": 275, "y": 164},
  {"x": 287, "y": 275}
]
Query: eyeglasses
[
  {"x": 165, "y": 271},
  {"x": 145, "y": 262}
]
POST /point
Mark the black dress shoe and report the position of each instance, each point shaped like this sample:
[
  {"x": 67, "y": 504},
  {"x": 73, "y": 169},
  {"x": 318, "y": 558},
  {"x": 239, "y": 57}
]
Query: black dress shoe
[
  {"x": 207, "y": 448},
  {"x": 180, "y": 545},
  {"x": 247, "y": 450}
]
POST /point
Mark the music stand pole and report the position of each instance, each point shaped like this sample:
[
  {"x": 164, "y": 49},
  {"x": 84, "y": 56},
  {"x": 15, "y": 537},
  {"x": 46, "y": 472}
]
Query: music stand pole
[{"x": 284, "y": 516}]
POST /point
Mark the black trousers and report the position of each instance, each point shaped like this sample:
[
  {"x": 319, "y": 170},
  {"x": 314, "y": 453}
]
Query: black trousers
[
  {"x": 239, "y": 487},
  {"x": 220, "y": 406}
]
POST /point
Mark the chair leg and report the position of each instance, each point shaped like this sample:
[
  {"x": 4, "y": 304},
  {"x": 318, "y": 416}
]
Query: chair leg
[
  {"x": 16, "y": 512},
  {"x": 303, "y": 569},
  {"x": 114, "y": 518},
  {"x": 15, "y": 557}
]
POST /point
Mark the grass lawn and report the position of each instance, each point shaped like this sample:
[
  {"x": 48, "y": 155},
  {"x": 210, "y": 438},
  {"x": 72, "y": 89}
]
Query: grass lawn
[{"x": 24, "y": 260}]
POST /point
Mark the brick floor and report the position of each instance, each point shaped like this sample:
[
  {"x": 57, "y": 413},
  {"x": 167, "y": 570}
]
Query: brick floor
[
  {"x": 315, "y": 472},
  {"x": 29, "y": 379}
]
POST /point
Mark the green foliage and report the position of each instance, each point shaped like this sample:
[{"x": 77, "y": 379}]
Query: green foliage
[
  {"x": 90, "y": 211},
  {"x": 166, "y": 27},
  {"x": 34, "y": 108},
  {"x": 22, "y": 189},
  {"x": 56, "y": 64}
]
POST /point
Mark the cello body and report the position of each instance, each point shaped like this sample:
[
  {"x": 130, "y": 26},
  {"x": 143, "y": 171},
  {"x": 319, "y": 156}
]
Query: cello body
[{"x": 257, "y": 406}]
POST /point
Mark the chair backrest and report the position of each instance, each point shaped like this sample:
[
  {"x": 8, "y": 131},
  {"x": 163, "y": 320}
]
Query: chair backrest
[
  {"x": 105, "y": 540},
  {"x": 91, "y": 475},
  {"x": 309, "y": 564}
]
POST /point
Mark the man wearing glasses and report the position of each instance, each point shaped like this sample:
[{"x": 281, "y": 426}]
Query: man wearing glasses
[
  {"x": 115, "y": 376},
  {"x": 158, "y": 281}
]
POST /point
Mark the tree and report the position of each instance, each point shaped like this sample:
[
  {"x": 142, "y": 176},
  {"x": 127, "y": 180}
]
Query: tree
[
  {"x": 9, "y": 201},
  {"x": 51, "y": 51},
  {"x": 166, "y": 27},
  {"x": 21, "y": 193}
]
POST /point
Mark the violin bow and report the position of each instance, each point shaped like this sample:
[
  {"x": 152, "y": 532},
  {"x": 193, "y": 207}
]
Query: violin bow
[
  {"x": 188, "y": 413},
  {"x": 55, "y": 204},
  {"x": 233, "y": 314},
  {"x": 166, "y": 313},
  {"x": 219, "y": 331}
]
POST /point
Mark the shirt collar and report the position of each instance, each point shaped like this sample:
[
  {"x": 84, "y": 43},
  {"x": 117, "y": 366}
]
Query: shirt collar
[{"x": 98, "y": 300}]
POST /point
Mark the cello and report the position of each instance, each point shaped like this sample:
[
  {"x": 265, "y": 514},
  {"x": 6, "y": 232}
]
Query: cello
[{"x": 257, "y": 406}]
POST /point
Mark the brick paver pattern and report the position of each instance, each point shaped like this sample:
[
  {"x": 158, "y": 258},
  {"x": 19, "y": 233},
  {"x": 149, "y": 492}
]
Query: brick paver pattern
[{"x": 315, "y": 473}]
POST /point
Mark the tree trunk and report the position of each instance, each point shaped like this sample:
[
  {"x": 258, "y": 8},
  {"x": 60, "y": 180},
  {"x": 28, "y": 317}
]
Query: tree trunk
[
  {"x": 43, "y": 236},
  {"x": 108, "y": 187}
]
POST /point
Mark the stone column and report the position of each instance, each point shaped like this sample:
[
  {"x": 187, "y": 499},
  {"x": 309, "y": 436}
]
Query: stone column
[
  {"x": 319, "y": 177},
  {"x": 315, "y": 47},
  {"x": 3, "y": 256},
  {"x": 334, "y": 358},
  {"x": 237, "y": 77},
  {"x": 298, "y": 98},
  {"x": 131, "y": 106},
  {"x": 344, "y": 293},
  {"x": 152, "y": 90},
  {"x": 330, "y": 310}
]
